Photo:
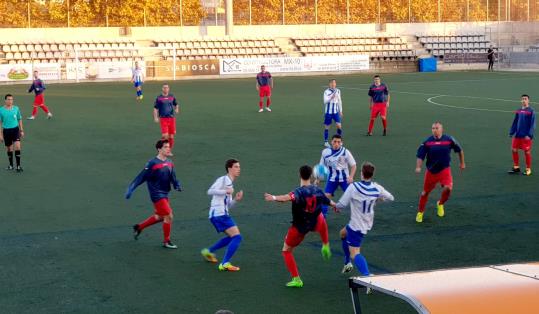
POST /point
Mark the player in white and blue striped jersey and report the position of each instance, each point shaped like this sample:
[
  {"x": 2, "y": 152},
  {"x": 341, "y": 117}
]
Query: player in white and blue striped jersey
[
  {"x": 332, "y": 109},
  {"x": 361, "y": 197},
  {"x": 341, "y": 165},
  {"x": 222, "y": 200},
  {"x": 138, "y": 79}
]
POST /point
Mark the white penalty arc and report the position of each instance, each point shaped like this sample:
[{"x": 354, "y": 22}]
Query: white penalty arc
[{"x": 430, "y": 100}]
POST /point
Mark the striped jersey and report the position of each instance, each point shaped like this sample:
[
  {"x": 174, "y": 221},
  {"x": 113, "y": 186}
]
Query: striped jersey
[
  {"x": 361, "y": 197},
  {"x": 332, "y": 101},
  {"x": 221, "y": 202},
  {"x": 138, "y": 75},
  {"x": 338, "y": 163}
]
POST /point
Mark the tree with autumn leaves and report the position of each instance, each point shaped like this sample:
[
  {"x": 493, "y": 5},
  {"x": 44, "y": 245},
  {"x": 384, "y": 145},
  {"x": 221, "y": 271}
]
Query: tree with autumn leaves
[{"x": 99, "y": 13}]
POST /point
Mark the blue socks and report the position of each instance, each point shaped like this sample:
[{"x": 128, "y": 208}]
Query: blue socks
[
  {"x": 361, "y": 264},
  {"x": 220, "y": 244},
  {"x": 339, "y": 131},
  {"x": 346, "y": 251},
  {"x": 232, "y": 248},
  {"x": 326, "y": 135},
  {"x": 139, "y": 93}
]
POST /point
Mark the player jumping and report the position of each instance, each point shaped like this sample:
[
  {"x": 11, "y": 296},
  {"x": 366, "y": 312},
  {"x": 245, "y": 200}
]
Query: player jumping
[
  {"x": 361, "y": 197},
  {"x": 332, "y": 109},
  {"x": 264, "y": 85},
  {"x": 163, "y": 113},
  {"x": 38, "y": 87},
  {"x": 12, "y": 131},
  {"x": 159, "y": 174},
  {"x": 307, "y": 201},
  {"x": 138, "y": 79},
  {"x": 522, "y": 131},
  {"x": 222, "y": 191},
  {"x": 437, "y": 149},
  {"x": 379, "y": 102}
]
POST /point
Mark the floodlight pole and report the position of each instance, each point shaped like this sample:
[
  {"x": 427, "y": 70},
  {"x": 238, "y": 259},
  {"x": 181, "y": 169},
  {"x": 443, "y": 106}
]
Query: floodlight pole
[
  {"x": 68, "y": 15},
  {"x": 29, "y": 14},
  {"x": 315, "y": 11},
  {"x": 250, "y": 12},
  {"x": 229, "y": 17}
]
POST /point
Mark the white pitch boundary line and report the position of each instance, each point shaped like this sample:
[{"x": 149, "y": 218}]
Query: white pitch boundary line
[{"x": 430, "y": 100}]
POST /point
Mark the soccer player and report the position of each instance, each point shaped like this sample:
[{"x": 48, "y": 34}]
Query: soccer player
[
  {"x": 163, "y": 113},
  {"x": 38, "y": 87},
  {"x": 332, "y": 109},
  {"x": 341, "y": 165},
  {"x": 222, "y": 200},
  {"x": 138, "y": 79},
  {"x": 437, "y": 149},
  {"x": 307, "y": 201},
  {"x": 159, "y": 174},
  {"x": 490, "y": 57},
  {"x": 522, "y": 131},
  {"x": 361, "y": 197},
  {"x": 12, "y": 131},
  {"x": 264, "y": 85},
  {"x": 379, "y": 102}
]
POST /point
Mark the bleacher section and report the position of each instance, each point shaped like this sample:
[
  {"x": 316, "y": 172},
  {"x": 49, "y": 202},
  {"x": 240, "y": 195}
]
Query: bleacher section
[
  {"x": 438, "y": 45},
  {"x": 379, "y": 48},
  {"x": 57, "y": 51},
  {"x": 219, "y": 48}
]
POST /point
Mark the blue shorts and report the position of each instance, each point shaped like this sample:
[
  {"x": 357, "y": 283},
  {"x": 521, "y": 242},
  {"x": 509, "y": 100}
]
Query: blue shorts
[
  {"x": 329, "y": 117},
  {"x": 137, "y": 84},
  {"x": 221, "y": 223},
  {"x": 353, "y": 238},
  {"x": 331, "y": 186}
]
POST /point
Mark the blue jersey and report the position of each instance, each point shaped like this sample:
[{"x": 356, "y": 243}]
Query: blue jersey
[
  {"x": 523, "y": 123},
  {"x": 37, "y": 87},
  {"x": 263, "y": 78},
  {"x": 307, "y": 202},
  {"x": 165, "y": 105},
  {"x": 159, "y": 175},
  {"x": 378, "y": 93},
  {"x": 438, "y": 152}
]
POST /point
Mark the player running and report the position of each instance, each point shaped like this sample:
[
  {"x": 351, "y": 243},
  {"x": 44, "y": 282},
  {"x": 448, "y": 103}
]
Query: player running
[
  {"x": 379, "y": 102},
  {"x": 222, "y": 191},
  {"x": 361, "y": 197},
  {"x": 332, "y": 109},
  {"x": 12, "y": 131},
  {"x": 138, "y": 79},
  {"x": 341, "y": 165},
  {"x": 522, "y": 131},
  {"x": 264, "y": 85},
  {"x": 159, "y": 174},
  {"x": 437, "y": 149},
  {"x": 164, "y": 111},
  {"x": 307, "y": 201},
  {"x": 38, "y": 87}
]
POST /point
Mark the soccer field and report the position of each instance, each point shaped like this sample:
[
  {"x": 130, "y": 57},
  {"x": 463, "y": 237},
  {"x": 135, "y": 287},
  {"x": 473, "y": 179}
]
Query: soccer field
[{"x": 65, "y": 227}]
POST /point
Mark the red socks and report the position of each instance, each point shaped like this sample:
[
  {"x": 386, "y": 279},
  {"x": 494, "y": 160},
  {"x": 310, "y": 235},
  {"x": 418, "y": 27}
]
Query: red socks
[
  {"x": 166, "y": 231},
  {"x": 268, "y": 102},
  {"x": 445, "y": 196},
  {"x": 148, "y": 222},
  {"x": 322, "y": 229},
  {"x": 384, "y": 123},
  {"x": 43, "y": 107},
  {"x": 34, "y": 111},
  {"x": 261, "y": 104},
  {"x": 290, "y": 263},
  {"x": 371, "y": 125},
  {"x": 515, "y": 159},
  {"x": 528, "y": 156},
  {"x": 171, "y": 142},
  {"x": 423, "y": 202}
]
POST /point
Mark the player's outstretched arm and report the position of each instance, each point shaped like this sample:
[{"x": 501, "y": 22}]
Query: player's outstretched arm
[
  {"x": 277, "y": 198},
  {"x": 344, "y": 201},
  {"x": 141, "y": 178},
  {"x": 385, "y": 195}
]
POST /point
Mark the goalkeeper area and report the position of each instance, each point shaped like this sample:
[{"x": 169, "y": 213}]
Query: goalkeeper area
[{"x": 65, "y": 227}]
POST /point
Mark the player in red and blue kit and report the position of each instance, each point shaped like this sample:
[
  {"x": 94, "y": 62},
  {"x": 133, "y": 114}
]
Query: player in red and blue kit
[
  {"x": 164, "y": 111},
  {"x": 379, "y": 102},
  {"x": 437, "y": 149},
  {"x": 159, "y": 174},
  {"x": 522, "y": 131},
  {"x": 307, "y": 202},
  {"x": 38, "y": 87},
  {"x": 264, "y": 85}
]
